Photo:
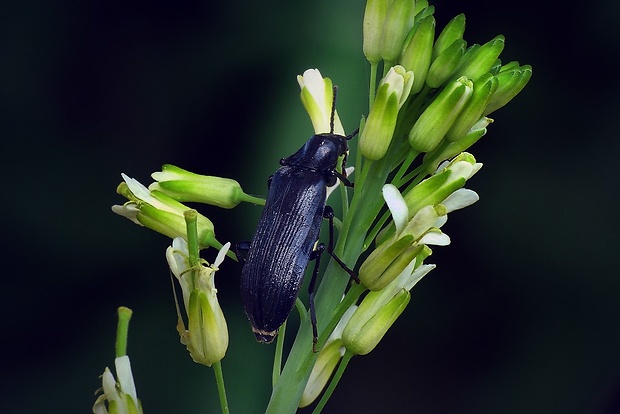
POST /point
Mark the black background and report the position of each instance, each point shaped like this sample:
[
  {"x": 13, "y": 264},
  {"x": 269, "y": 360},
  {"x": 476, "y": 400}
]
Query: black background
[{"x": 521, "y": 314}]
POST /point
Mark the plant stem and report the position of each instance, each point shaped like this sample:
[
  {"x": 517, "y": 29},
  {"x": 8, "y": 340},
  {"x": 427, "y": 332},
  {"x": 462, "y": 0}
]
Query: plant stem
[
  {"x": 221, "y": 390},
  {"x": 277, "y": 357}
]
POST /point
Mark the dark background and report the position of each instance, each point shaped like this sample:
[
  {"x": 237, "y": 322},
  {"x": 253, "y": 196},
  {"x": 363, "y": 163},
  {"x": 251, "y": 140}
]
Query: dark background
[{"x": 521, "y": 314}]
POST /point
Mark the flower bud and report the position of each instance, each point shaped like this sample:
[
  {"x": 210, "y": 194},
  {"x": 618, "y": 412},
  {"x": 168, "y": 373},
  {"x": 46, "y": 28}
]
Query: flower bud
[
  {"x": 436, "y": 188},
  {"x": 206, "y": 335},
  {"x": 387, "y": 261},
  {"x": 324, "y": 367},
  {"x": 317, "y": 96},
  {"x": 452, "y": 32},
  {"x": 159, "y": 212},
  {"x": 379, "y": 310},
  {"x": 417, "y": 51},
  {"x": 511, "y": 82},
  {"x": 368, "y": 324},
  {"x": 379, "y": 127},
  {"x": 403, "y": 243},
  {"x": 184, "y": 186},
  {"x": 454, "y": 148},
  {"x": 374, "y": 18},
  {"x": 398, "y": 22},
  {"x": 438, "y": 117},
  {"x": 471, "y": 113},
  {"x": 420, "y": 6},
  {"x": 329, "y": 356},
  {"x": 445, "y": 64},
  {"x": 479, "y": 61}
]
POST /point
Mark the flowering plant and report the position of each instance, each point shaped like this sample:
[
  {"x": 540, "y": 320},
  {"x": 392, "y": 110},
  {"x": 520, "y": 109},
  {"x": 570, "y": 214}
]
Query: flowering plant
[{"x": 429, "y": 106}]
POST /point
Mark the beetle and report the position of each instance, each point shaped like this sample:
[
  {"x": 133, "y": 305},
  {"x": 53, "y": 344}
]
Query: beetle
[{"x": 286, "y": 238}]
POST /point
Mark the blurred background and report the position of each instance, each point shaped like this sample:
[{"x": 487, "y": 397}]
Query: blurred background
[{"x": 522, "y": 313}]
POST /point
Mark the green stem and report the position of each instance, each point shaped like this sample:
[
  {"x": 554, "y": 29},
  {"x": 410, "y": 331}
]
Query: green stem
[
  {"x": 373, "y": 84},
  {"x": 221, "y": 390},
  {"x": 193, "y": 248},
  {"x": 122, "y": 331},
  {"x": 334, "y": 381},
  {"x": 252, "y": 199},
  {"x": 277, "y": 358}
]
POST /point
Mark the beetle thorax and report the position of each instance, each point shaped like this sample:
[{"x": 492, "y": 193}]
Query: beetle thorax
[{"x": 321, "y": 152}]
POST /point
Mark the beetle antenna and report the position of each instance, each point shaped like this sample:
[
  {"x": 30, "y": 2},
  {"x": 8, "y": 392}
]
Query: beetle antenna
[{"x": 333, "y": 115}]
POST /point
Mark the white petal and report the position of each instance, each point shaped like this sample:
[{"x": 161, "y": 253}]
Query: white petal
[
  {"x": 143, "y": 193},
  {"x": 129, "y": 211},
  {"x": 459, "y": 199},
  {"x": 397, "y": 205},
  {"x": 177, "y": 257},
  {"x": 418, "y": 274},
  {"x": 441, "y": 221},
  {"x": 109, "y": 384},
  {"x": 220, "y": 256},
  {"x": 436, "y": 238},
  {"x": 422, "y": 221},
  {"x": 125, "y": 377},
  {"x": 476, "y": 168}
]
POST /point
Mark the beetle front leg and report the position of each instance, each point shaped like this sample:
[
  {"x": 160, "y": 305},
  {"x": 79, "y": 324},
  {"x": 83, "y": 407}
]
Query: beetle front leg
[{"x": 328, "y": 213}]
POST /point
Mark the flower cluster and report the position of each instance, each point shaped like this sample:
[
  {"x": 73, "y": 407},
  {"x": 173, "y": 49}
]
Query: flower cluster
[
  {"x": 159, "y": 208},
  {"x": 429, "y": 106}
]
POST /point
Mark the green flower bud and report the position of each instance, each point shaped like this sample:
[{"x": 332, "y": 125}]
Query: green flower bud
[
  {"x": 206, "y": 335},
  {"x": 387, "y": 261},
  {"x": 379, "y": 126},
  {"x": 417, "y": 51},
  {"x": 157, "y": 211},
  {"x": 184, "y": 186},
  {"x": 436, "y": 188},
  {"x": 438, "y": 117},
  {"x": 374, "y": 18},
  {"x": 433, "y": 158},
  {"x": 471, "y": 113},
  {"x": 379, "y": 310},
  {"x": 420, "y": 6},
  {"x": 398, "y": 22},
  {"x": 327, "y": 360},
  {"x": 511, "y": 82},
  {"x": 445, "y": 64},
  {"x": 451, "y": 33},
  {"x": 403, "y": 242},
  {"x": 480, "y": 60},
  {"x": 324, "y": 367},
  {"x": 368, "y": 324}
]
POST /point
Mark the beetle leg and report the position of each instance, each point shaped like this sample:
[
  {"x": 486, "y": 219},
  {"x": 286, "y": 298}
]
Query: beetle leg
[
  {"x": 316, "y": 255},
  {"x": 328, "y": 213},
  {"x": 242, "y": 246},
  {"x": 344, "y": 179}
]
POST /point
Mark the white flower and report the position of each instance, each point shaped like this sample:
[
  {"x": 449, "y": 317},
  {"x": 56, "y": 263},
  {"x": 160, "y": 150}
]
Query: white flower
[
  {"x": 122, "y": 394},
  {"x": 317, "y": 96}
]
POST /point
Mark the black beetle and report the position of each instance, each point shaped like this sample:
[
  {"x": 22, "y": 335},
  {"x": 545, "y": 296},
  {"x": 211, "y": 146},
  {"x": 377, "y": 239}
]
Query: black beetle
[{"x": 287, "y": 233}]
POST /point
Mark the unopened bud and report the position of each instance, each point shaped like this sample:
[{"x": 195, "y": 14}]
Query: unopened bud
[
  {"x": 471, "y": 113},
  {"x": 438, "y": 117},
  {"x": 417, "y": 52}
]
